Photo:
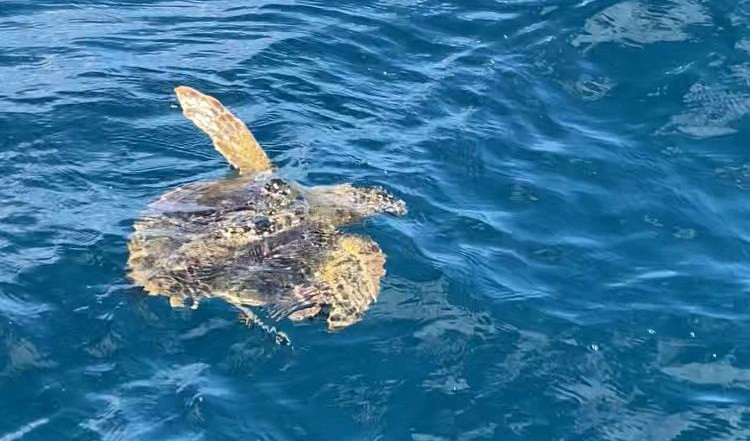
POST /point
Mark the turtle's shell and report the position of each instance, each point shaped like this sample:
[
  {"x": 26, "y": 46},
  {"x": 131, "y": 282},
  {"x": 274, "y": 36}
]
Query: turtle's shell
[
  {"x": 254, "y": 240},
  {"x": 249, "y": 240}
]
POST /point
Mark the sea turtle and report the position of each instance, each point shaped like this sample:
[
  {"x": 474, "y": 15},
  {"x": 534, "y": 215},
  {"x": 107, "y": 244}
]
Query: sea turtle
[{"x": 258, "y": 239}]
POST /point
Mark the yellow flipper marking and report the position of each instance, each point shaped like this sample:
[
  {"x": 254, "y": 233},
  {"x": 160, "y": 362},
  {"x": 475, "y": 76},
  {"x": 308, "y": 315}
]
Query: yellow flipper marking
[
  {"x": 351, "y": 279},
  {"x": 230, "y": 136}
]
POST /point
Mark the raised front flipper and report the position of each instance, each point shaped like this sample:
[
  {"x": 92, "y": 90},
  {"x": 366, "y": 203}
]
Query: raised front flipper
[{"x": 230, "y": 136}]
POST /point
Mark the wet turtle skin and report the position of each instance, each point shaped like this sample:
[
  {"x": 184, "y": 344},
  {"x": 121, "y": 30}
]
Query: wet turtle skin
[{"x": 258, "y": 239}]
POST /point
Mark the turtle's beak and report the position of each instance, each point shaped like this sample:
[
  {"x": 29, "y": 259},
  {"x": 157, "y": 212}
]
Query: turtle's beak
[
  {"x": 398, "y": 208},
  {"x": 391, "y": 204}
]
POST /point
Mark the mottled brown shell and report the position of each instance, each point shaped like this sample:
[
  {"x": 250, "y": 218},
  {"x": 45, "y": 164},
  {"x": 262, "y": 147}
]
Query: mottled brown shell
[{"x": 257, "y": 239}]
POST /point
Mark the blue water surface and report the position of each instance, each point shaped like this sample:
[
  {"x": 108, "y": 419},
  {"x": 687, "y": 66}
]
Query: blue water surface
[{"x": 575, "y": 264}]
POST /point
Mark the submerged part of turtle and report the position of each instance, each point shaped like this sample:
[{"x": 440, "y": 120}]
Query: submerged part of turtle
[{"x": 258, "y": 239}]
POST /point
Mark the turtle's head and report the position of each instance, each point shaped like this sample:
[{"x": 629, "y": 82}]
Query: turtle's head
[
  {"x": 344, "y": 203},
  {"x": 382, "y": 201}
]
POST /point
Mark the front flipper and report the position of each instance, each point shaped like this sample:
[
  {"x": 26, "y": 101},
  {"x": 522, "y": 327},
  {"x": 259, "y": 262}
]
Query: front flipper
[
  {"x": 351, "y": 277},
  {"x": 230, "y": 136},
  {"x": 348, "y": 280}
]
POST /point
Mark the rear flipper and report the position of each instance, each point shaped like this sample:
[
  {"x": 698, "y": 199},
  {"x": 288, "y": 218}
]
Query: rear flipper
[{"x": 250, "y": 318}]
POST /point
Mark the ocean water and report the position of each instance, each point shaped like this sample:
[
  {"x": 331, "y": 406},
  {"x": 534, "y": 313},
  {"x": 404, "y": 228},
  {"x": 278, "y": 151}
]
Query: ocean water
[{"x": 575, "y": 264}]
